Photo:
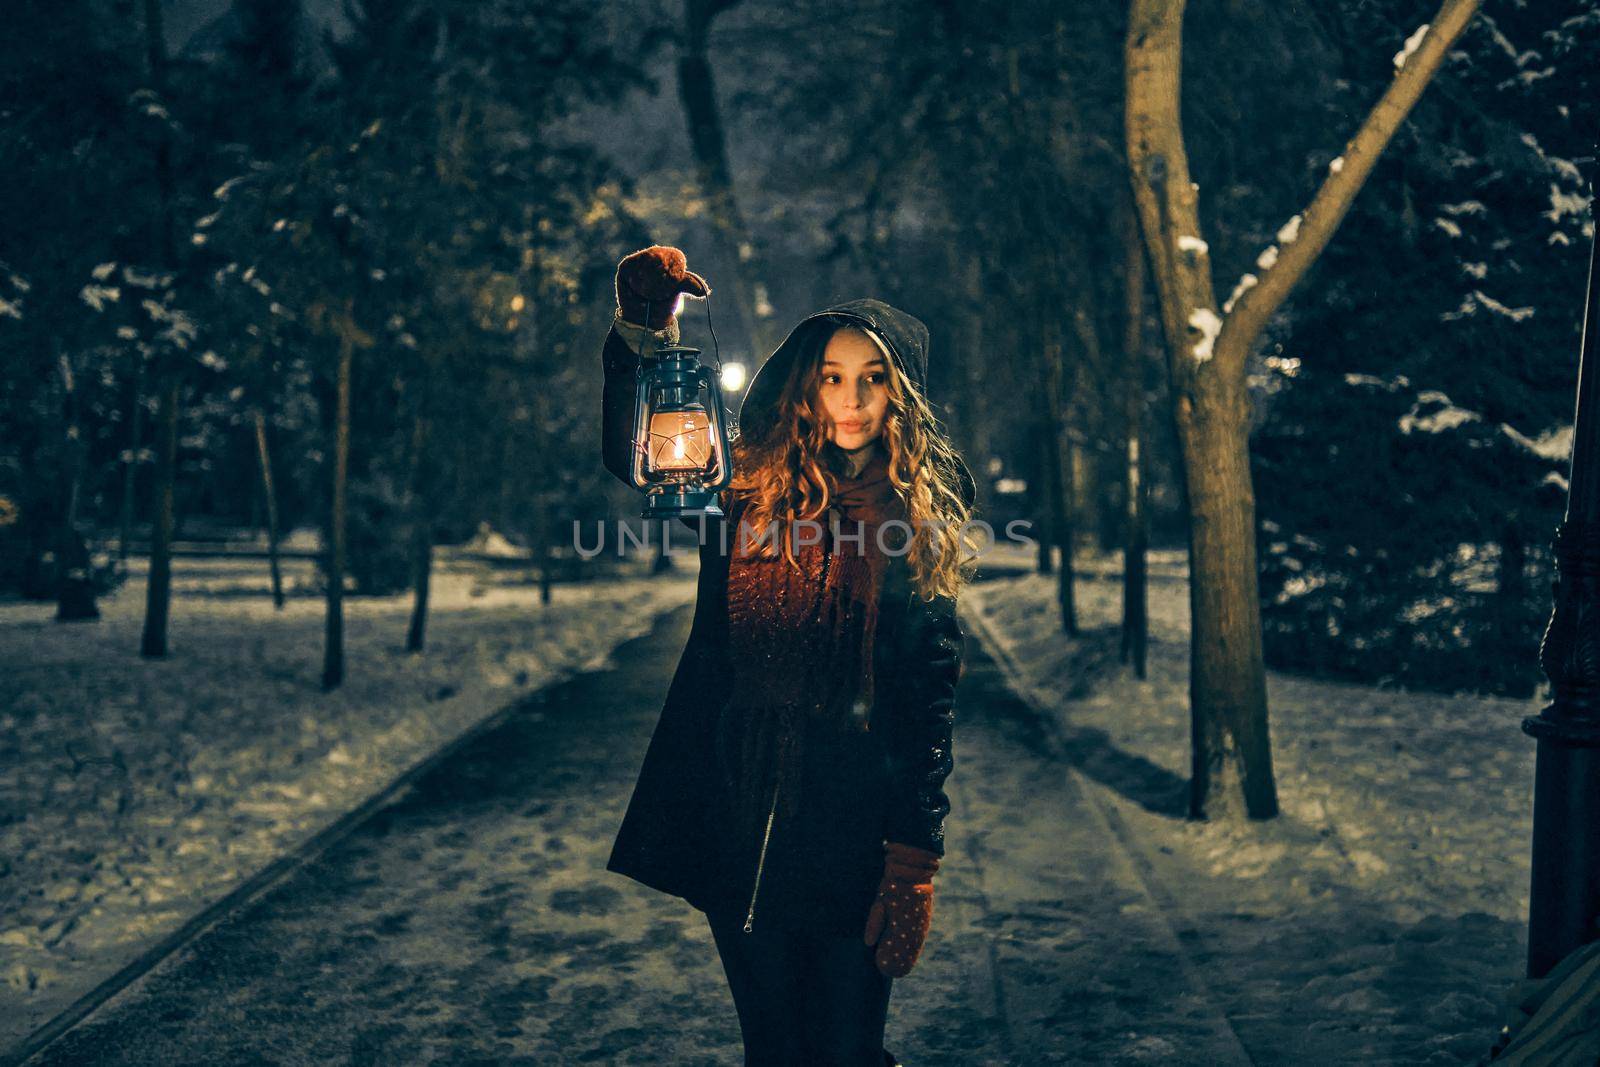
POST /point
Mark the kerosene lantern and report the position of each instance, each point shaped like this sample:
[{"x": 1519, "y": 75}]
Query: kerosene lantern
[{"x": 680, "y": 434}]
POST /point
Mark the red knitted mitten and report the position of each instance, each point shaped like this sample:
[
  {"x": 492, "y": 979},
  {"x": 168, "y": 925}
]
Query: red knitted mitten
[
  {"x": 900, "y": 918},
  {"x": 653, "y": 278}
]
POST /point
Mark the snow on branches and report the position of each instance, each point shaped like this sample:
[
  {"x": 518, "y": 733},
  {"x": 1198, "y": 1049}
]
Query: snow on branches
[
  {"x": 1206, "y": 321},
  {"x": 1268, "y": 258},
  {"x": 1476, "y": 299},
  {"x": 1412, "y": 44},
  {"x": 1246, "y": 283},
  {"x": 1554, "y": 444},
  {"x": 162, "y": 321},
  {"x": 11, "y": 292},
  {"x": 97, "y": 296},
  {"x": 1442, "y": 414}
]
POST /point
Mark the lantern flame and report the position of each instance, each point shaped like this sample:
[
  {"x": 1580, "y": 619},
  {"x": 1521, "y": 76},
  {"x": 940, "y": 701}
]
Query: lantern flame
[{"x": 680, "y": 441}]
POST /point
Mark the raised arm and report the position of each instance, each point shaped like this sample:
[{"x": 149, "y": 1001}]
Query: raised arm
[
  {"x": 620, "y": 361},
  {"x": 650, "y": 284}
]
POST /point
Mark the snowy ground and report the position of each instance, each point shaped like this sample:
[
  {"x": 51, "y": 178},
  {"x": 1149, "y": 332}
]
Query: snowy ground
[
  {"x": 136, "y": 792},
  {"x": 1385, "y": 907},
  {"x": 1379, "y": 920},
  {"x": 471, "y": 920}
]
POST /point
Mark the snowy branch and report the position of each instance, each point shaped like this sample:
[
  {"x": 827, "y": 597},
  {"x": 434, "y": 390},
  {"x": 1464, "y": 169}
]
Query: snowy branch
[
  {"x": 1446, "y": 416},
  {"x": 1206, "y": 321},
  {"x": 1553, "y": 444},
  {"x": 1476, "y": 299},
  {"x": 1411, "y": 45},
  {"x": 1305, "y": 235}
]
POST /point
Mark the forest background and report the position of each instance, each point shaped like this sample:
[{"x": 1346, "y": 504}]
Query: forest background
[{"x": 283, "y": 265}]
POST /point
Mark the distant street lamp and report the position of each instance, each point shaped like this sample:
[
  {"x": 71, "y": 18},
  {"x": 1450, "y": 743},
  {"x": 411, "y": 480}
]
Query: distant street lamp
[
  {"x": 1565, "y": 901},
  {"x": 680, "y": 435}
]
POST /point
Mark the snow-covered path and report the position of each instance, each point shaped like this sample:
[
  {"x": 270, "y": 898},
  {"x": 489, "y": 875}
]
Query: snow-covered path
[
  {"x": 1381, "y": 918},
  {"x": 1080, "y": 918},
  {"x": 134, "y": 793},
  {"x": 1049, "y": 942},
  {"x": 473, "y": 921}
]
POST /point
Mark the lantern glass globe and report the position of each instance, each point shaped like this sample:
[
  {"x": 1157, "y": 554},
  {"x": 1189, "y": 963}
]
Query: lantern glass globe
[{"x": 680, "y": 441}]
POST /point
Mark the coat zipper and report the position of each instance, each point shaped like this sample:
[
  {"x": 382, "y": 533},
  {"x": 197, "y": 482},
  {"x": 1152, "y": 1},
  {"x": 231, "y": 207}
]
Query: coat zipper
[
  {"x": 761, "y": 862},
  {"x": 750, "y": 916}
]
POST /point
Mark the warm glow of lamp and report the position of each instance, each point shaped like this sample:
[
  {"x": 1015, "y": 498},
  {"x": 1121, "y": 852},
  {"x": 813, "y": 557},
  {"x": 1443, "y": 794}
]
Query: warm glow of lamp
[
  {"x": 733, "y": 377},
  {"x": 680, "y": 434},
  {"x": 680, "y": 441}
]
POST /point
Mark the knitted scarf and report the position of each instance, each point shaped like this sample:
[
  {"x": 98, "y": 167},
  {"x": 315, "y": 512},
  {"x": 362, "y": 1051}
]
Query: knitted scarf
[{"x": 800, "y": 643}]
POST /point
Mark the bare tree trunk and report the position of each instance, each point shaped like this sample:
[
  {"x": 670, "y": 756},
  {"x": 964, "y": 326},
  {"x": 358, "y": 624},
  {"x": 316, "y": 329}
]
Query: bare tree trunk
[
  {"x": 1207, "y": 354},
  {"x": 542, "y": 534},
  {"x": 1085, "y": 380},
  {"x": 506, "y": 480},
  {"x": 1058, "y": 464},
  {"x": 333, "y": 647},
  {"x": 421, "y": 538},
  {"x": 72, "y": 437},
  {"x": 158, "y": 590},
  {"x": 1041, "y": 480},
  {"x": 1511, "y": 599},
  {"x": 707, "y": 138},
  {"x": 1045, "y": 562},
  {"x": 74, "y": 582},
  {"x": 1135, "y": 611},
  {"x": 1070, "y": 522},
  {"x": 1231, "y": 755},
  {"x": 130, "y": 467},
  {"x": 422, "y": 564},
  {"x": 544, "y": 545},
  {"x": 1112, "y": 464},
  {"x": 969, "y": 419},
  {"x": 977, "y": 366},
  {"x": 270, "y": 492},
  {"x": 545, "y": 525}
]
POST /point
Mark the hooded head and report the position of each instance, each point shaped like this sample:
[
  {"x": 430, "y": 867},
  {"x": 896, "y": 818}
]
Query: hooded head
[{"x": 904, "y": 335}]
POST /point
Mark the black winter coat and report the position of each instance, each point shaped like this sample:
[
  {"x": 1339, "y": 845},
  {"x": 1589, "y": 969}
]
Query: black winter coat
[{"x": 857, "y": 789}]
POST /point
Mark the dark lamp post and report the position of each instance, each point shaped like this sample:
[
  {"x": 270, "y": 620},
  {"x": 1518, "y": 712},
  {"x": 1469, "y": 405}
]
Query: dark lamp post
[
  {"x": 1565, "y": 902},
  {"x": 680, "y": 435}
]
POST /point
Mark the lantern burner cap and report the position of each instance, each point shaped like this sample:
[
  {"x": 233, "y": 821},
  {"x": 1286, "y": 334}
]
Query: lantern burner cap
[{"x": 672, "y": 503}]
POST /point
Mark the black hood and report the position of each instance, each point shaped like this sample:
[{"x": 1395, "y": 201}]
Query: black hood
[{"x": 905, "y": 336}]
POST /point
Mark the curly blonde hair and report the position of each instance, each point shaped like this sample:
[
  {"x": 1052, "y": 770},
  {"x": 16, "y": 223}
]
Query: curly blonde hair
[{"x": 779, "y": 475}]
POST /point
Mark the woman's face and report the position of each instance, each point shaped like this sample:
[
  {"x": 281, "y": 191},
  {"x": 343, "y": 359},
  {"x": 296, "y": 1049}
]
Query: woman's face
[{"x": 854, "y": 388}]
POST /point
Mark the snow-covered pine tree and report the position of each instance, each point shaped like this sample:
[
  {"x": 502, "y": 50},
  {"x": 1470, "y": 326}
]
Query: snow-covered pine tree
[{"x": 1435, "y": 380}]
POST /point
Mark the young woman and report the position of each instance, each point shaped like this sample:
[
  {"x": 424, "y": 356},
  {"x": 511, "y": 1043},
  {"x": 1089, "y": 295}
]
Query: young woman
[{"x": 793, "y": 788}]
